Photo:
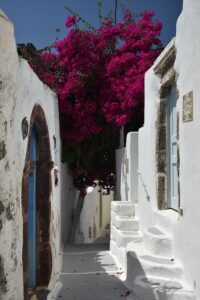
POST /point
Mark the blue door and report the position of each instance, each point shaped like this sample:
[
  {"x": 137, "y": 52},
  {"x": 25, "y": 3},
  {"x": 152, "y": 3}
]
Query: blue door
[
  {"x": 32, "y": 215},
  {"x": 173, "y": 173}
]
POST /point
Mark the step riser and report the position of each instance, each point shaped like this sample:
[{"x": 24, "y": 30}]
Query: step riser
[
  {"x": 146, "y": 291},
  {"x": 123, "y": 241},
  {"x": 180, "y": 296},
  {"x": 123, "y": 208},
  {"x": 166, "y": 220},
  {"x": 114, "y": 233},
  {"x": 119, "y": 253},
  {"x": 147, "y": 295},
  {"x": 164, "y": 224},
  {"x": 137, "y": 267},
  {"x": 113, "y": 216},
  {"x": 162, "y": 272},
  {"x": 153, "y": 266},
  {"x": 113, "y": 247},
  {"x": 126, "y": 224},
  {"x": 158, "y": 246}
]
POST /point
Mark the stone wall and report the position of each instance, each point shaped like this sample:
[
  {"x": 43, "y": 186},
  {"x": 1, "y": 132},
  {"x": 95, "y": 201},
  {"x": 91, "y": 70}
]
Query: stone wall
[{"x": 21, "y": 93}]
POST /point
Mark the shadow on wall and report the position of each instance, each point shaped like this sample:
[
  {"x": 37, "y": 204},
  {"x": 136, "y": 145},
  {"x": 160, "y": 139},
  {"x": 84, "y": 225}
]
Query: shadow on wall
[
  {"x": 94, "y": 220},
  {"x": 145, "y": 287},
  {"x": 124, "y": 178},
  {"x": 67, "y": 203}
]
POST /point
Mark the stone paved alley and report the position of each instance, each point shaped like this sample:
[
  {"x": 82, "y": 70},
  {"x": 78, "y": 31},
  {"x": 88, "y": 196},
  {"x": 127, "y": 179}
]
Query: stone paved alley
[{"x": 89, "y": 273}]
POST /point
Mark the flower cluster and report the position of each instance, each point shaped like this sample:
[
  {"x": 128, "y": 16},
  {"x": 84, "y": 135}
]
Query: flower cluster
[
  {"x": 71, "y": 21},
  {"x": 99, "y": 79}
]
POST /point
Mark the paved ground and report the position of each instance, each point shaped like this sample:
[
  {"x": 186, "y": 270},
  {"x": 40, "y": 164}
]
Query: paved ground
[{"x": 89, "y": 273}]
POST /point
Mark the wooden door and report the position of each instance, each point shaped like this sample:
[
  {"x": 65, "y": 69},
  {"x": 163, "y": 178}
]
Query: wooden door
[
  {"x": 32, "y": 241},
  {"x": 172, "y": 149}
]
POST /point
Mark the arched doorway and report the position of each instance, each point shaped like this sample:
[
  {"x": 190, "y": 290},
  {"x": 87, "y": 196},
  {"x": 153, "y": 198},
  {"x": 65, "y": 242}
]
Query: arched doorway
[{"x": 36, "y": 191}]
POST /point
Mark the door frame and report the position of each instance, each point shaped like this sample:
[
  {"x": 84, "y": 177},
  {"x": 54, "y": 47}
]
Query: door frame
[
  {"x": 164, "y": 70},
  {"x": 43, "y": 191}
]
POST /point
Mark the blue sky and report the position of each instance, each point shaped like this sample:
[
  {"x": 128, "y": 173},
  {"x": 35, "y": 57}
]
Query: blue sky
[{"x": 36, "y": 20}]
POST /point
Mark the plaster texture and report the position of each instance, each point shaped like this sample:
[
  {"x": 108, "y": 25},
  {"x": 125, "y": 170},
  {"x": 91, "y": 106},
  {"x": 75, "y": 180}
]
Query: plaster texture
[
  {"x": 124, "y": 229},
  {"x": 68, "y": 196},
  {"x": 180, "y": 239},
  {"x": 132, "y": 166},
  {"x": 20, "y": 91},
  {"x": 186, "y": 238},
  {"x": 121, "y": 183},
  {"x": 182, "y": 229},
  {"x": 95, "y": 216},
  {"x": 127, "y": 170}
]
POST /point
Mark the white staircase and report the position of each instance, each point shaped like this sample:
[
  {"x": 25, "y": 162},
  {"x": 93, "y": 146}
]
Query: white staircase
[
  {"x": 124, "y": 228},
  {"x": 152, "y": 272}
]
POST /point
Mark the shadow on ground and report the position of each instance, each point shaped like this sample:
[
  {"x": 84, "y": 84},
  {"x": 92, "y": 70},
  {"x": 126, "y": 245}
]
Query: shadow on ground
[{"x": 89, "y": 273}]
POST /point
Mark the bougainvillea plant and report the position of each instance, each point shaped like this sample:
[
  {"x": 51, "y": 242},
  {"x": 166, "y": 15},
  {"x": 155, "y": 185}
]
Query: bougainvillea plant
[{"x": 98, "y": 75}]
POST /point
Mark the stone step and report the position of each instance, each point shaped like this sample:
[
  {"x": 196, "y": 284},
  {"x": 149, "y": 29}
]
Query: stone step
[
  {"x": 113, "y": 216},
  {"x": 157, "y": 242},
  {"x": 125, "y": 237},
  {"x": 140, "y": 262},
  {"x": 124, "y": 223},
  {"x": 152, "y": 288},
  {"x": 113, "y": 233},
  {"x": 123, "y": 208},
  {"x": 119, "y": 253},
  {"x": 166, "y": 220},
  {"x": 113, "y": 247}
]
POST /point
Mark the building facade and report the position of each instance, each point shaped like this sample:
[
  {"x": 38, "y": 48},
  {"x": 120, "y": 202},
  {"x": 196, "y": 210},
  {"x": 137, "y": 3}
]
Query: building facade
[
  {"x": 156, "y": 237},
  {"x": 30, "y": 177}
]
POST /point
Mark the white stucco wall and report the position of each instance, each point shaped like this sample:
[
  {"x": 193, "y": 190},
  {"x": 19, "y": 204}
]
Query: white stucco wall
[
  {"x": 121, "y": 183},
  {"x": 90, "y": 228},
  {"x": 20, "y": 90},
  {"x": 68, "y": 195},
  {"x": 186, "y": 238},
  {"x": 132, "y": 166},
  {"x": 106, "y": 211},
  {"x": 147, "y": 154},
  {"x": 10, "y": 194},
  {"x": 127, "y": 170}
]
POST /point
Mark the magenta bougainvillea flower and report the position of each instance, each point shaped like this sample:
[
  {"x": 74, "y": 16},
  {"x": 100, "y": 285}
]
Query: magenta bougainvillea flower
[
  {"x": 71, "y": 21},
  {"x": 99, "y": 79}
]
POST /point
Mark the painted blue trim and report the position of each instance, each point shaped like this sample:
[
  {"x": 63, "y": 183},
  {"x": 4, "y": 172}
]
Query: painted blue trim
[{"x": 32, "y": 217}]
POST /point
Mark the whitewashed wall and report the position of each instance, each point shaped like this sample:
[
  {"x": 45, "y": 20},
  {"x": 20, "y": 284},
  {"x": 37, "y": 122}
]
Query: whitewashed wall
[
  {"x": 68, "y": 196},
  {"x": 90, "y": 228},
  {"x": 186, "y": 237},
  {"x": 131, "y": 167},
  {"x": 11, "y": 234},
  {"x": 106, "y": 211},
  {"x": 120, "y": 176},
  {"x": 147, "y": 153},
  {"x": 20, "y": 90},
  {"x": 127, "y": 170}
]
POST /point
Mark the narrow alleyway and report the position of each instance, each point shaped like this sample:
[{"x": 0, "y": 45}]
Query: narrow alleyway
[{"x": 90, "y": 273}]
